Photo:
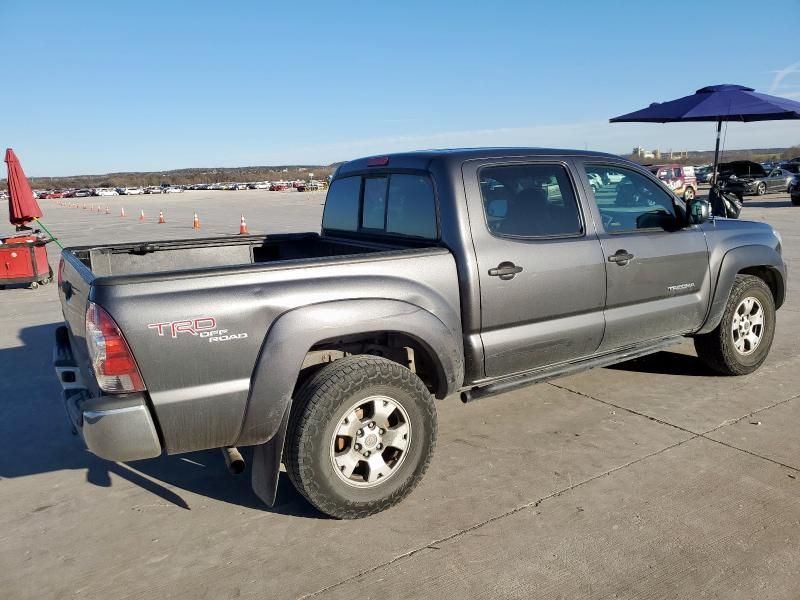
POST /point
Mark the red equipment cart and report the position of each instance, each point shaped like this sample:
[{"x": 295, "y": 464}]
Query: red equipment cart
[{"x": 23, "y": 259}]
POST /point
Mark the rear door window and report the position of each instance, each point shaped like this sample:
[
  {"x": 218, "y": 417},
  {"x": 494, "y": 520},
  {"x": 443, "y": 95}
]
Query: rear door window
[{"x": 533, "y": 200}]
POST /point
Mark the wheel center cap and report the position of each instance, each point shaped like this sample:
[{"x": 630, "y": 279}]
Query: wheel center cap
[{"x": 370, "y": 441}]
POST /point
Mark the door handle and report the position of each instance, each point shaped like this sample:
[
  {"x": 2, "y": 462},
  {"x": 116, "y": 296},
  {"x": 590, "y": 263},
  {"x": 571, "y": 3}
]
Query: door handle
[
  {"x": 505, "y": 270},
  {"x": 621, "y": 257}
]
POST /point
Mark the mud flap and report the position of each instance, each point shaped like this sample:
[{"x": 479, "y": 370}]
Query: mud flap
[{"x": 267, "y": 463}]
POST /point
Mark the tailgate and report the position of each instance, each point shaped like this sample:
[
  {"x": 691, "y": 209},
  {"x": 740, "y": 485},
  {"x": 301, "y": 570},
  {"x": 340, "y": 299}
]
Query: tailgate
[{"x": 75, "y": 284}]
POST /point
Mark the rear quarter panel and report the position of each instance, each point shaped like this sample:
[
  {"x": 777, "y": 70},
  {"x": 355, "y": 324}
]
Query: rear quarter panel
[{"x": 196, "y": 338}]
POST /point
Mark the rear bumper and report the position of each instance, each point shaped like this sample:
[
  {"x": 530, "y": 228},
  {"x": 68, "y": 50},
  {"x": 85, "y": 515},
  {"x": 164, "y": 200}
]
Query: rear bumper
[{"x": 118, "y": 428}]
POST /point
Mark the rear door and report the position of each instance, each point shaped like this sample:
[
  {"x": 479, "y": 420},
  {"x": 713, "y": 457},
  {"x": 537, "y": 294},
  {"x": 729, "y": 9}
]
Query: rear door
[
  {"x": 658, "y": 273},
  {"x": 542, "y": 273}
]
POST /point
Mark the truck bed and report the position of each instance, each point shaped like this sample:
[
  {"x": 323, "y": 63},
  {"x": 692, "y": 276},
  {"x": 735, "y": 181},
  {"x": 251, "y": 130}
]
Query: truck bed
[{"x": 188, "y": 255}]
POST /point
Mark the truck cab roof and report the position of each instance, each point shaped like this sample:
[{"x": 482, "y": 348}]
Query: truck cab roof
[{"x": 421, "y": 159}]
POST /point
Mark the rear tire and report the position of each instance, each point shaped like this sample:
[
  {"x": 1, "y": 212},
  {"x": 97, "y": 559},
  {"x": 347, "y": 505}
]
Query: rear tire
[
  {"x": 739, "y": 345},
  {"x": 342, "y": 418}
]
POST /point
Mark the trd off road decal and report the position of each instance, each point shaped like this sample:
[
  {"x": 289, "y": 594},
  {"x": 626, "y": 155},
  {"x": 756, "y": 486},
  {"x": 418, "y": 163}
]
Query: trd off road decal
[{"x": 202, "y": 327}]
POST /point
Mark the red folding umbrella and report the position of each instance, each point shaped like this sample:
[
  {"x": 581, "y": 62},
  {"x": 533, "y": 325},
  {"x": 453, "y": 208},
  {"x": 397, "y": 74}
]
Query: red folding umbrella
[{"x": 22, "y": 206}]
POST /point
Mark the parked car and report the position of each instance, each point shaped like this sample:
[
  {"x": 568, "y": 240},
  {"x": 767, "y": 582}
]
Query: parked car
[
  {"x": 325, "y": 350},
  {"x": 106, "y": 192},
  {"x": 704, "y": 174},
  {"x": 595, "y": 181},
  {"x": 82, "y": 193},
  {"x": 261, "y": 185},
  {"x": 240, "y": 186},
  {"x": 792, "y": 167},
  {"x": 745, "y": 177},
  {"x": 794, "y": 190},
  {"x": 133, "y": 191},
  {"x": 173, "y": 190},
  {"x": 152, "y": 189},
  {"x": 679, "y": 178},
  {"x": 54, "y": 194},
  {"x": 313, "y": 186},
  {"x": 277, "y": 187}
]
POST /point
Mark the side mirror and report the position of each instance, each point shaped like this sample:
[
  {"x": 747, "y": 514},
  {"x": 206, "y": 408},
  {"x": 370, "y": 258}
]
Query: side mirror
[{"x": 699, "y": 212}]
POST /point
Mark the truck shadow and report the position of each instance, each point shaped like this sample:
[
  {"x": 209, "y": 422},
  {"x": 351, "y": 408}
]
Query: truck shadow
[
  {"x": 35, "y": 438},
  {"x": 665, "y": 363}
]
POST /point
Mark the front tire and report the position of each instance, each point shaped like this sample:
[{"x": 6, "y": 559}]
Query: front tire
[
  {"x": 742, "y": 340},
  {"x": 761, "y": 189},
  {"x": 688, "y": 195},
  {"x": 361, "y": 436}
]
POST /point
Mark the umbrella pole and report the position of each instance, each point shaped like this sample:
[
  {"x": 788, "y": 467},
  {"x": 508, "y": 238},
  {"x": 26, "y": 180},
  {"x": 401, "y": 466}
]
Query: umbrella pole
[
  {"x": 716, "y": 154},
  {"x": 52, "y": 237}
]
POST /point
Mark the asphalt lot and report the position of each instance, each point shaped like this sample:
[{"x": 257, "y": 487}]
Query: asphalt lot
[{"x": 651, "y": 479}]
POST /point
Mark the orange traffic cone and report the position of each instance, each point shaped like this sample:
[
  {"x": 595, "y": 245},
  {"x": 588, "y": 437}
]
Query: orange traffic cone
[
  {"x": 161, "y": 220},
  {"x": 141, "y": 215},
  {"x": 122, "y": 212},
  {"x": 108, "y": 210},
  {"x": 84, "y": 206},
  {"x": 243, "y": 227},
  {"x": 196, "y": 222}
]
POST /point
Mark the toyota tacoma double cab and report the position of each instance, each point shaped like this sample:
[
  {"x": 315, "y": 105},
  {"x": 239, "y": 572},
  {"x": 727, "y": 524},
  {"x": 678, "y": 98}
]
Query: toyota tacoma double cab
[{"x": 471, "y": 271}]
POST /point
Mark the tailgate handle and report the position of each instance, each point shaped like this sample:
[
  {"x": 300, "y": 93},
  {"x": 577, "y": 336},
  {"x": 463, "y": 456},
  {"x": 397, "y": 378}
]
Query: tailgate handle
[{"x": 505, "y": 270}]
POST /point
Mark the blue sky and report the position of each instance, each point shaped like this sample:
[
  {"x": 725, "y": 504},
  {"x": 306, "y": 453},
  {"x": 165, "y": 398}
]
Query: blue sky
[{"x": 109, "y": 86}]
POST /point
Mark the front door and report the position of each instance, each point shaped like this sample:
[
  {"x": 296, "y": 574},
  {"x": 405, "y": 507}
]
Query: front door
[
  {"x": 658, "y": 272},
  {"x": 542, "y": 271}
]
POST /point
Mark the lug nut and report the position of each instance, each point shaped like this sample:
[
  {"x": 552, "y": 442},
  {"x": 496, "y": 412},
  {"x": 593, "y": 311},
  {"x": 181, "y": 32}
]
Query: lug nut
[
  {"x": 381, "y": 431},
  {"x": 360, "y": 432},
  {"x": 366, "y": 453},
  {"x": 358, "y": 446},
  {"x": 379, "y": 446},
  {"x": 372, "y": 425}
]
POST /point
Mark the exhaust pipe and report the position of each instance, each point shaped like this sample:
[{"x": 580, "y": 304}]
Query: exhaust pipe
[{"x": 233, "y": 460}]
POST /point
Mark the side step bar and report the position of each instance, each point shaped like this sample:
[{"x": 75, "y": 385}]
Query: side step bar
[{"x": 514, "y": 382}]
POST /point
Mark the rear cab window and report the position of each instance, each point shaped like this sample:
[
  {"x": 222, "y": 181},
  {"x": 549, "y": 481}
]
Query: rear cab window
[{"x": 392, "y": 205}]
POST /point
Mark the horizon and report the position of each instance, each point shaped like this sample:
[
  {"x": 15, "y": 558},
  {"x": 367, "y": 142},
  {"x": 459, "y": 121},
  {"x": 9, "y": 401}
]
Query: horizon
[
  {"x": 330, "y": 165},
  {"x": 229, "y": 89}
]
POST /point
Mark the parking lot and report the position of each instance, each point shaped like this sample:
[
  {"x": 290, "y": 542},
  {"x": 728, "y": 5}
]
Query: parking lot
[{"x": 649, "y": 479}]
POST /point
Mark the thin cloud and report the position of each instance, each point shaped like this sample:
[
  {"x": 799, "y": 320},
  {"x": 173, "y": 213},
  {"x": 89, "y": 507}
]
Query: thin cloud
[{"x": 777, "y": 81}]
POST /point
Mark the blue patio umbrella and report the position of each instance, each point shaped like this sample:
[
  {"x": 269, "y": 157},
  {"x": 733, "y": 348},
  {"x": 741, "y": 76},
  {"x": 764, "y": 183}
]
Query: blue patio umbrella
[{"x": 717, "y": 103}]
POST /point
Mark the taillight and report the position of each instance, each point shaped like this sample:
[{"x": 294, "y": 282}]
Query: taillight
[{"x": 112, "y": 362}]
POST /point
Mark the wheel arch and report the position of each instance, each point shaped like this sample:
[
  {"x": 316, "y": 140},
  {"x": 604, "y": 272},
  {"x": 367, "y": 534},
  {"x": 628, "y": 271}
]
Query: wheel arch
[
  {"x": 761, "y": 261},
  {"x": 329, "y": 325}
]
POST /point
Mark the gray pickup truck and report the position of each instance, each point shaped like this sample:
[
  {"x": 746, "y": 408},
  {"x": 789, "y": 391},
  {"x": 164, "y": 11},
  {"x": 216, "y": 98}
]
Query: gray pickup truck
[{"x": 474, "y": 271}]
